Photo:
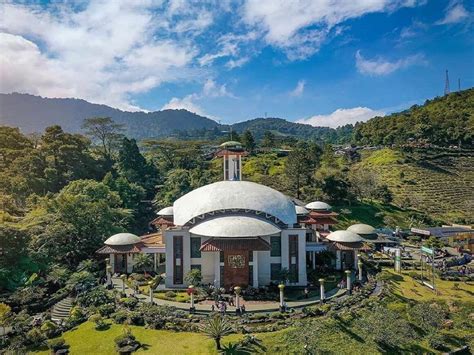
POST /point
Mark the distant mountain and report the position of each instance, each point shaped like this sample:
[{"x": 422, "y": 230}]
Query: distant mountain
[
  {"x": 281, "y": 127},
  {"x": 34, "y": 113}
]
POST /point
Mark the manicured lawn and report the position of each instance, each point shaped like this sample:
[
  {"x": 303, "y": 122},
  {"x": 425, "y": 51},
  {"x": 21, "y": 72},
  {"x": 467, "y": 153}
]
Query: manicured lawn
[
  {"x": 86, "y": 340},
  {"x": 406, "y": 287}
]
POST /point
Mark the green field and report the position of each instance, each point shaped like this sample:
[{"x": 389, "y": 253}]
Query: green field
[
  {"x": 406, "y": 287},
  {"x": 438, "y": 183}
]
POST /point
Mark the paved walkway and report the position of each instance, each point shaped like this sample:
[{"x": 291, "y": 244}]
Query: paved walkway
[{"x": 252, "y": 308}]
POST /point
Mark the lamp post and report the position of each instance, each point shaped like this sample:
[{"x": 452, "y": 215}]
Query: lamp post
[
  {"x": 151, "y": 284},
  {"x": 237, "y": 290},
  {"x": 348, "y": 280},
  {"x": 123, "y": 277},
  {"x": 321, "y": 290},
  {"x": 191, "y": 295},
  {"x": 108, "y": 270},
  {"x": 282, "y": 301},
  {"x": 359, "y": 265}
]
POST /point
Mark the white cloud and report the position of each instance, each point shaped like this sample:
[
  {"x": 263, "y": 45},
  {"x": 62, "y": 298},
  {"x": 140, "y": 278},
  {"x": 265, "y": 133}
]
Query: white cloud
[
  {"x": 105, "y": 52},
  {"x": 455, "y": 12},
  {"x": 380, "y": 66},
  {"x": 210, "y": 89},
  {"x": 186, "y": 103},
  {"x": 300, "y": 27},
  {"x": 413, "y": 30},
  {"x": 299, "y": 89},
  {"x": 233, "y": 46},
  {"x": 342, "y": 116}
]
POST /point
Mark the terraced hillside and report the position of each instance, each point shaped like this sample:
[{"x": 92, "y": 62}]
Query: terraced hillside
[{"x": 440, "y": 183}]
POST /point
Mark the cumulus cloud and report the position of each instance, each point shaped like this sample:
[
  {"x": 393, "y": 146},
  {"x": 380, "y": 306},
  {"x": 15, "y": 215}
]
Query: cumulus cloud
[
  {"x": 185, "y": 103},
  {"x": 104, "y": 51},
  {"x": 342, "y": 116},
  {"x": 210, "y": 89},
  {"x": 300, "y": 28},
  {"x": 380, "y": 66},
  {"x": 454, "y": 13},
  {"x": 299, "y": 89}
]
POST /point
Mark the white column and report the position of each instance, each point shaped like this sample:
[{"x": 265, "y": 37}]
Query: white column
[
  {"x": 255, "y": 268},
  {"x": 240, "y": 167},
  {"x": 154, "y": 262},
  {"x": 338, "y": 260},
  {"x": 217, "y": 269},
  {"x": 356, "y": 259}
]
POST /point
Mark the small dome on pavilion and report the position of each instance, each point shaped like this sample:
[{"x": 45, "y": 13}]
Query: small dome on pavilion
[
  {"x": 123, "y": 239},
  {"x": 231, "y": 144},
  {"x": 301, "y": 211},
  {"x": 344, "y": 237},
  {"x": 318, "y": 206},
  {"x": 362, "y": 229},
  {"x": 167, "y": 211}
]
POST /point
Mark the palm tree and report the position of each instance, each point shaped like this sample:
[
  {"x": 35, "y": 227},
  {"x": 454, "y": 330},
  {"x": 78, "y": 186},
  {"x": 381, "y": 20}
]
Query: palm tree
[
  {"x": 142, "y": 262},
  {"x": 216, "y": 328}
]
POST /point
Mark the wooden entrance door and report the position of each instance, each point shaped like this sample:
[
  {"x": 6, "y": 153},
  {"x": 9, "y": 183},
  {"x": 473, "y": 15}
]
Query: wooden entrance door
[
  {"x": 120, "y": 264},
  {"x": 236, "y": 268}
]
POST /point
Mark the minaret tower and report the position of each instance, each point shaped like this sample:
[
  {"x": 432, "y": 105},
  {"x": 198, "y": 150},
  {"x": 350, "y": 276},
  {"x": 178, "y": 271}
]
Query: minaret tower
[{"x": 232, "y": 153}]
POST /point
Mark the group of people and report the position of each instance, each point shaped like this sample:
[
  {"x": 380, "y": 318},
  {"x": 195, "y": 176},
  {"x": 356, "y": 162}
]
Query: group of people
[{"x": 221, "y": 305}]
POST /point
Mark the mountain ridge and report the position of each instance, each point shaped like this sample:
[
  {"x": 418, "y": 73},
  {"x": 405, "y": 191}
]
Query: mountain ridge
[{"x": 33, "y": 113}]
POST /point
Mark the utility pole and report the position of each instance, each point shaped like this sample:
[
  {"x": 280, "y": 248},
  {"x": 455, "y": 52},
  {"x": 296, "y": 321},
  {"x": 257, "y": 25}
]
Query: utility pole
[
  {"x": 459, "y": 84},
  {"x": 446, "y": 84}
]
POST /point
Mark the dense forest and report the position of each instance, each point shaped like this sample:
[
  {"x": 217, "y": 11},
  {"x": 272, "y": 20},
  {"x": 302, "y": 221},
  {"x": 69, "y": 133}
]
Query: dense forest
[{"x": 443, "y": 121}]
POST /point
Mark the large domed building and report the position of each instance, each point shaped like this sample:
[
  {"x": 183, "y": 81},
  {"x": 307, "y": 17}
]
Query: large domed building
[{"x": 235, "y": 232}]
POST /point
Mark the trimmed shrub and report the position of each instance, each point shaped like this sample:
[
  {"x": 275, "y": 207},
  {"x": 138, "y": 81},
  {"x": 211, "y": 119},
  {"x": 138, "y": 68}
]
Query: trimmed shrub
[
  {"x": 170, "y": 294},
  {"x": 106, "y": 309},
  {"x": 129, "y": 302},
  {"x": 98, "y": 320},
  {"x": 35, "y": 337},
  {"x": 49, "y": 329},
  {"x": 57, "y": 344},
  {"x": 120, "y": 316}
]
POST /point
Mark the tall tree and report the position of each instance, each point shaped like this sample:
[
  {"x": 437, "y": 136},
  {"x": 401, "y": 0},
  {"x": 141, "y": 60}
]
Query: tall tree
[
  {"x": 105, "y": 131},
  {"x": 67, "y": 157},
  {"x": 298, "y": 168},
  {"x": 248, "y": 141},
  {"x": 134, "y": 167},
  {"x": 268, "y": 140}
]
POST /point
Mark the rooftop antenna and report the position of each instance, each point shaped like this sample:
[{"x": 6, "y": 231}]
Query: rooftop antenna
[
  {"x": 446, "y": 84},
  {"x": 459, "y": 84},
  {"x": 265, "y": 115}
]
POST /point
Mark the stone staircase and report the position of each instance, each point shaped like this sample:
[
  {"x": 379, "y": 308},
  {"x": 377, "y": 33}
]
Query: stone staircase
[{"x": 62, "y": 309}]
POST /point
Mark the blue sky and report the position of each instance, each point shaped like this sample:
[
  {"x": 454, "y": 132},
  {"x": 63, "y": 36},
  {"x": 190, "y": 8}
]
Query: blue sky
[{"x": 322, "y": 62}]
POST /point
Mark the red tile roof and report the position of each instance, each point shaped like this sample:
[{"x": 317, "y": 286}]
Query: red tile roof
[
  {"x": 227, "y": 244},
  {"x": 120, "y": 249}
]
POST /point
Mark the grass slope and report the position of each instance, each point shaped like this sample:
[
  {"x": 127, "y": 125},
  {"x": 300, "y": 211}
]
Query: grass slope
[{"x": 440, "y": 184}]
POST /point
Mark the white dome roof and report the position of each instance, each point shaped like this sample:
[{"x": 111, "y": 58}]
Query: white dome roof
[
  {"x": 318, "y": 205},
  {"x": 235, "y": 226},
  {"x": 344, "y": 237},
  {"x": 122, "y": 239},
  {"x": 167, "y": 211},
  {"x": 361, "y": 228},
  {"x": 244, "y": 195},
  {"x": 301, "y": 211}
]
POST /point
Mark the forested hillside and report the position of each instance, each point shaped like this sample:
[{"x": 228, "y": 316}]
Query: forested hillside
[
  {"x": 33, "y": 114},
  {"x": 281, "y": 127},
  {"x": 443, "y": 121}
]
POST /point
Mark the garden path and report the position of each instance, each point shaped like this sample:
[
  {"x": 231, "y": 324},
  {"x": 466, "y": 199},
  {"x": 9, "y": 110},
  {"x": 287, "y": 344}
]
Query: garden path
[{"x": 252, "y": 308}]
